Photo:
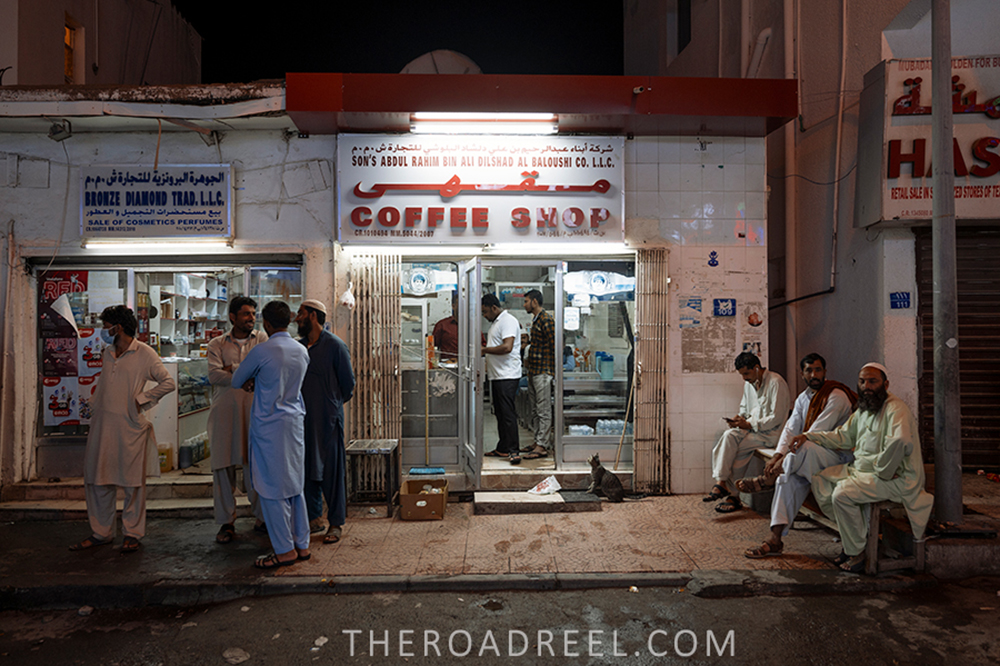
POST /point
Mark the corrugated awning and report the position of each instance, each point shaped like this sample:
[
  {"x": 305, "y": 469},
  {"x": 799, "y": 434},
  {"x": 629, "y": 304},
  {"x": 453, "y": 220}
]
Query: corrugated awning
[{"x": 330, "y": 103}]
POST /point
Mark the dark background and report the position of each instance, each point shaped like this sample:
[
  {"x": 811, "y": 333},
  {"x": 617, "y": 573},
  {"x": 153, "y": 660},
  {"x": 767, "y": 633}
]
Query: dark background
[{"x": 242, "y": 43}]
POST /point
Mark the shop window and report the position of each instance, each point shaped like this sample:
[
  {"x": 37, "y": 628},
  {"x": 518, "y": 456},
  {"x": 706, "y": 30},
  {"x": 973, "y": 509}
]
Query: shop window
[{"x": 69, "y": 41}]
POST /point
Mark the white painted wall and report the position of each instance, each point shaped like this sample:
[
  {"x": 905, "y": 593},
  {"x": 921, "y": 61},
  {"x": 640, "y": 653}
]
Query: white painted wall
[
  {"x": 132, "y": 42},
  {"x": 697, "y": 196}
]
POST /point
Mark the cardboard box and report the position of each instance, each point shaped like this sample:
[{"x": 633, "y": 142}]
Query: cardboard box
[{"x": 413, "y": 505}]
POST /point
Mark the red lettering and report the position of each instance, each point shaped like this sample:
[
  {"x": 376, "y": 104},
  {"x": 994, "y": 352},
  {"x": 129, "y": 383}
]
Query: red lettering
[
  {"x": 480, "y": 218},
  {"x": 458, "y": 218},
  {"x": 388, "y": 216},
  {"x": 547, "y": 218},
  {"x": 412, "y": 216},
  {"x": 520, "y": 218},
  {"x": 573, "y": 217},
  {"x": 960, "y": 168},
  {"x": 598, "y": 216},
  {"x": 897, "y": 157},
  {"x": 980, "y": 150},
  {"x": 361, "y": 216},
  {"x": 434, "y": 215}
]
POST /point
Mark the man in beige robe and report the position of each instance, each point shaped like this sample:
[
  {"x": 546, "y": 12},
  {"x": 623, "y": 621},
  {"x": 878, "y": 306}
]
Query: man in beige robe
[
  {"x": 121, "y": 447},
  {"x": 887, "y": 466},
  {"x": 229, "y": 420}
]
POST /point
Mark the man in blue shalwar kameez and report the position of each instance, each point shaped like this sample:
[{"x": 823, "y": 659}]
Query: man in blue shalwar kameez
[
  {"x": 329, "y": 383},
  {"x": 274, "y": 371}
]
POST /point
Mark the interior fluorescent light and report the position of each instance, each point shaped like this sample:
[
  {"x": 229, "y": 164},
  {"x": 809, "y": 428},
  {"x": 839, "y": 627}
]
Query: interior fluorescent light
[
  {"x": 158, "y": 247},
  {"x": 446, "y": 122},
  {"x": 417, "y": 250},
  {"x": 557, "y": 249}
]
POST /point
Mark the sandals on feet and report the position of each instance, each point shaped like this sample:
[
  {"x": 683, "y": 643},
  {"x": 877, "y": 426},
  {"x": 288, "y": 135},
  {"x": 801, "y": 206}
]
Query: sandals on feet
[
  {"x": 718, "y": 492},
  {"x": 763, "y": 550},
  {"x": 260, "y": 527},
  {"x": 333, "y": 535},
  {"x": 730, "y": 505},
  {"x": 272, "y": 562},
  {"x": 514, "y": 459},
  {"x": 90, "y": 542},
  {"x": 840, "y": 559},
  {"x": 130, "y": 545},
  {"x": 854, "y": 565},
  {"x": 495, "y": 454},
  {"x": 534, "y": 455},
  {"x": 226, "y": 533},
  {"x": 756, "y": 484}
]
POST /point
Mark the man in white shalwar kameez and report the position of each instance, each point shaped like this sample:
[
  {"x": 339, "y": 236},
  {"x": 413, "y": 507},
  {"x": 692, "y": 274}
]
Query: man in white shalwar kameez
[
  {"x": 763, "y": 410},
  {"x": 825, "y": 404},
  {"x": 276, "y": 369},
  {"x": 121, "y": 447},
  {"x": 229, "y": 420},
  {"x": 888, "y": 465}
]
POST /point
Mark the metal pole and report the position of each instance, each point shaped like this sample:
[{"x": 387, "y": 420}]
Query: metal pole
[{"x": 947, "y": 401}]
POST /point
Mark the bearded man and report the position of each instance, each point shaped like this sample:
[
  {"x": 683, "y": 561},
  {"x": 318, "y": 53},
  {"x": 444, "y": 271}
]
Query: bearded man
[{"x": 887, "y": 466}]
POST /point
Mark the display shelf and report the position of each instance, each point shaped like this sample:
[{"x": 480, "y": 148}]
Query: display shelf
[{"x": 194, "y": 411}]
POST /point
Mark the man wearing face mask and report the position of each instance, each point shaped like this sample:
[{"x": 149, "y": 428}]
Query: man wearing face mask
[
  {"x": 887, "y": 465},
  {"x": 121, "y": 447}
]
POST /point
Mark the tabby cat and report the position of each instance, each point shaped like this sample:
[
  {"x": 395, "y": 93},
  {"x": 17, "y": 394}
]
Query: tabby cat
[{"x": 603, "y": 482}]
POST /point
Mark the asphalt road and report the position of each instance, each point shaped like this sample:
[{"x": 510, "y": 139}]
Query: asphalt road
[{"x": 949, "y": 624}]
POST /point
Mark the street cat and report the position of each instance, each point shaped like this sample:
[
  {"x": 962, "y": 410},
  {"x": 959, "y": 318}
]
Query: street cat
[{"x": 603, "y": 482}]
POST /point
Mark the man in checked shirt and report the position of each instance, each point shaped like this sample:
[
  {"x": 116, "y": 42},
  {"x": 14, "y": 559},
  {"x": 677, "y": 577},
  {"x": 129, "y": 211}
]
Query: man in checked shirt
[{"x": 540, "y": 368}]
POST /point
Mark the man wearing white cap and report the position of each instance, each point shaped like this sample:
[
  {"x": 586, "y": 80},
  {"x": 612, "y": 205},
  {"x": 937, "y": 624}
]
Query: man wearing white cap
[
  {"x": 329, "y": 383},
  {"x": 887, "y": 465}
]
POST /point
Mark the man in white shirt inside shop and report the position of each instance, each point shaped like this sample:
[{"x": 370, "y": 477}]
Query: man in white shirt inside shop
[
  {"x": 824, "y": 405},
  {"x": 503, "y": 368},
  {"x": 229, "y": 419}
]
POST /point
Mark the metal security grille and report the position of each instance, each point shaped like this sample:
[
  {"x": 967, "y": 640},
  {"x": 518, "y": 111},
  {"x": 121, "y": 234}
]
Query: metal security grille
[
  {"x": 377, "y": 404},
  {"x": 652, "y": 375},
  {"x": 978, "y": 265}
]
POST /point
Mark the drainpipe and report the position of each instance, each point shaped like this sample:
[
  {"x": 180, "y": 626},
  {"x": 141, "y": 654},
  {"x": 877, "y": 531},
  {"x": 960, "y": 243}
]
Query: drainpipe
[
  {"x": 947, "y": 398},
  {"x": 791, "y": 191}
]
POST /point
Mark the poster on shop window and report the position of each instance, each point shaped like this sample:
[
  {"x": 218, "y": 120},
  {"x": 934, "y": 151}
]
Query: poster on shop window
[{"x": 479, "y": 189}]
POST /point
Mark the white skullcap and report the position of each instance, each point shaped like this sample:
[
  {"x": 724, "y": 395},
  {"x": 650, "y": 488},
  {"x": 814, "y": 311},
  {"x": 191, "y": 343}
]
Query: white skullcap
[
  {"x": 315, "y": 305},
  {"x": 877, "y": 366}
]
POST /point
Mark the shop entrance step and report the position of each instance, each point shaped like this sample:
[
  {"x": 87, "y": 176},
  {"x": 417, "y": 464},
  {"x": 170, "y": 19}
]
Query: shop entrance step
[
  {"x": 564, "y": 501},
  {"x": 63, "y": 509}
]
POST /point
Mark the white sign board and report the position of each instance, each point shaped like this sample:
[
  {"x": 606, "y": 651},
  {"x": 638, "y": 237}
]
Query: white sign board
[
  {"x": 907, "y": 172},
  {"x": 479, "y": 189},
  {"x": 175, "y": 202}
]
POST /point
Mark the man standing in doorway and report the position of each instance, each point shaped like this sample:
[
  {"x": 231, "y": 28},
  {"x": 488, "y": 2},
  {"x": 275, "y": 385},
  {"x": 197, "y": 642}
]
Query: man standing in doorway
[
  {"x": 274, "y": 372},
  {"x": 229, "y": 418},
  {"x": 503, "y": 368},
  {"x": 121, "y": 447},
  {"x": 763, "y": 410},
  {"x": 329, "y": 383},
  {"x": 540, "y": 368}
]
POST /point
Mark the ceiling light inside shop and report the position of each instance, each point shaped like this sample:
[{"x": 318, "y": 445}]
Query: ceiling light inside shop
[
  {"x": 560, "y": 250},
  {"x": 432, "y": 122}
]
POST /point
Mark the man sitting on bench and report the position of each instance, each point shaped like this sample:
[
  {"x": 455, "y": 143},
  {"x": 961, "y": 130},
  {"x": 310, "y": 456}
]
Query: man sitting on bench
[
  {"x": 887, "y": 466},
  {"x": 758, "y": 424},
  {"x": 823, "y": 405}
]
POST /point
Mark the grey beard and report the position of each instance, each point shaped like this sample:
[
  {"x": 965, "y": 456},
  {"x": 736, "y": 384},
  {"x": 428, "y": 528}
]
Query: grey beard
[{"x": 872, "y": 402}]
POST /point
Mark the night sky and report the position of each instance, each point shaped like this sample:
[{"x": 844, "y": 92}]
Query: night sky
[{"x": 501, "y": 36}]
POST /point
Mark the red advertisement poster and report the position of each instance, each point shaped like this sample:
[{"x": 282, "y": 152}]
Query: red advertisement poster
[
  {"x": 52, "y": 321},
  {"x": 59, "y": 401},
  {"x": 91, "y": 349},
  {"x": 59, "y": 357}
]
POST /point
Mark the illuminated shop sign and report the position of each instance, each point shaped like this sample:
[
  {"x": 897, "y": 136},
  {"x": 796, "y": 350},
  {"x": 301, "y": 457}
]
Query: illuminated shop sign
[
  {"x": 175, "y": 202},
  {"x": 482, "y": 189},
  {"x": 906, "y": 166}
]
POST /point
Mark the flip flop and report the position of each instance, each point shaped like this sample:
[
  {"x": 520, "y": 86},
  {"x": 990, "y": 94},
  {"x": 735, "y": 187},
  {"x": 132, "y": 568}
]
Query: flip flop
[
  {"x": 730, "y": 505},
  {"x": 534, "y": 455},
  {"x": 763, "y": 550},
  {"x": 495, "y": 454},
  {"x": 716, "y": 496},
  {"x": 226, "y": 533},
  {"x": 90, "y": 542},
  {"x": 272, "y": 562},
  {"x": 304, "y": 558},
  {"x": 856, "y": 568},
  {"x": 130, "y": 545}
]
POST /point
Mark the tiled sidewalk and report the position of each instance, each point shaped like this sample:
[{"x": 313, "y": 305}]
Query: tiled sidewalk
[{"x": 655, "y": 534}]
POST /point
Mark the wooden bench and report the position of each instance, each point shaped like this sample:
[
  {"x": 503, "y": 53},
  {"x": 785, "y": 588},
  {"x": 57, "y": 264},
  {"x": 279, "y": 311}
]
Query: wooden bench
[{"x": 877, "y": 557}]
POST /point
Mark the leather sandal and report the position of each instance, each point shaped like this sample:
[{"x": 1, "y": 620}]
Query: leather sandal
[
  {"x": 854, "y": 565},
  {"x": 90, "y": 542},
  {"x": 763, "y": 550},
  {"x": 718, "y": 492},
  {"x": 732, "y": 504},
  {"x": 226, "y": 533},
  {"x": 333, "y": 535},
  {"x": 130, "y": 545},
  {"x": 272, "y": 562},
  {"x": 756, "y": 484}
]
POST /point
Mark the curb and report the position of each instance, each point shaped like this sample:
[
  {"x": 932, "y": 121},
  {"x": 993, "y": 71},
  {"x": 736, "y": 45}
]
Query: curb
[{"x": 704, "y": 584}]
